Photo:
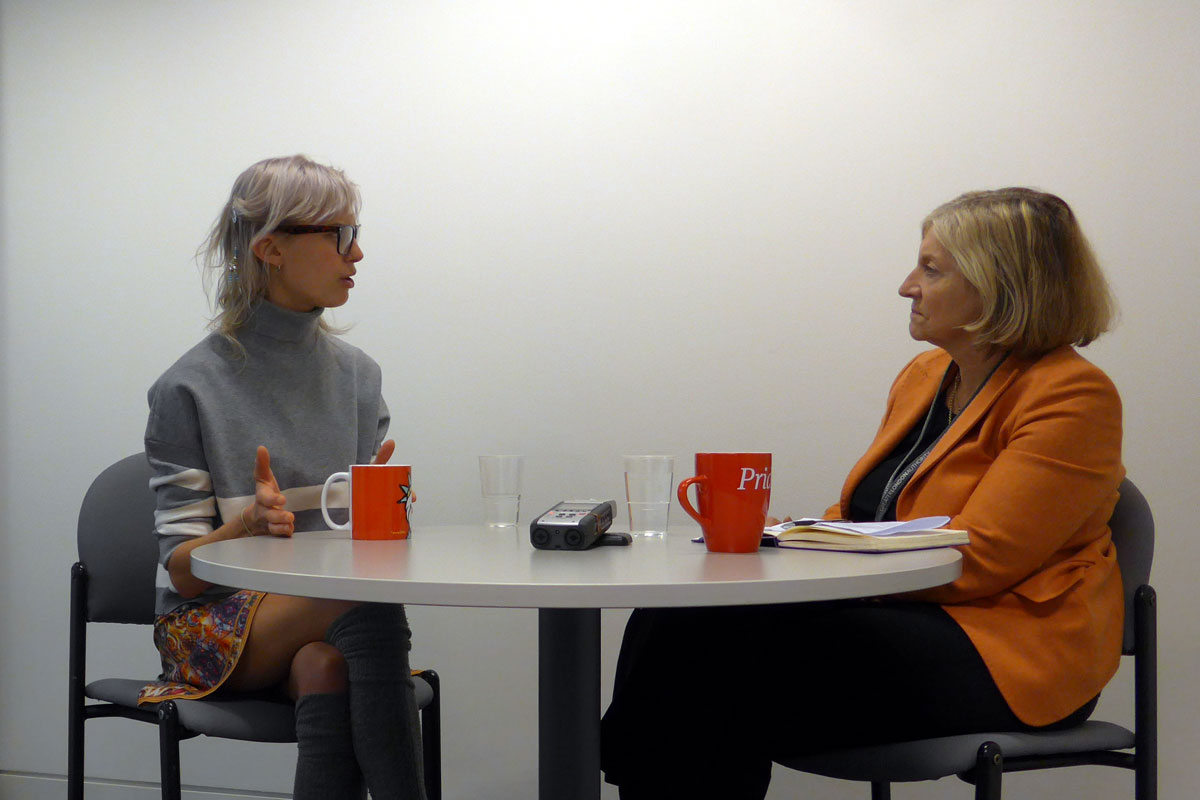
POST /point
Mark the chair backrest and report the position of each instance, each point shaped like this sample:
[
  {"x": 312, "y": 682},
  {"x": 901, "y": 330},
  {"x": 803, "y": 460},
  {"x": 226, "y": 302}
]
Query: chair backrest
[
  {"x": 1132, "y": 525},
  {"x": 117, "y": 544}
]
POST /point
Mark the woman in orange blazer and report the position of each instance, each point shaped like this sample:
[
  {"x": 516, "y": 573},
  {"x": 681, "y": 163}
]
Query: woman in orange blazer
[{"x": 1005, "y": 428}]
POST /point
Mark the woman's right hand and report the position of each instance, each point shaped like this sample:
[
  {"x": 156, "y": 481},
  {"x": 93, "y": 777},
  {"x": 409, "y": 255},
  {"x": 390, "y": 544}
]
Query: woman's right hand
[
  {"x": 265, "y": 516},
  {"x": 268, "y": 514}
]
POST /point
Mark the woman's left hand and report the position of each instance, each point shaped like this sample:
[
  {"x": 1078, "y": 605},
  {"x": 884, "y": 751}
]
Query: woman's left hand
[{"x": 385, "y": 452}]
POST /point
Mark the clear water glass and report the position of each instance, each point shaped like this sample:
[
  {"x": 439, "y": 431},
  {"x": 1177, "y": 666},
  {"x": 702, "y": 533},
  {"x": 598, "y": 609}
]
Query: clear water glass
[
  {"x": 500, "y": 483},
  {"x": 648, "y": 486}
]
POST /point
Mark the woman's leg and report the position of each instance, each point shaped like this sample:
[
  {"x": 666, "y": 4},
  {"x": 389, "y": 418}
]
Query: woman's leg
[
  {"x": 326, "y": 765},
  {"x": 374, "y": 639},
  {"x": 285, "y": 647},
  {"x": 281, "y": 626},
  {"x": 704, "y": 697},
  {"x": 309, "y": 643},
  {"x": 673, "y": 728}
]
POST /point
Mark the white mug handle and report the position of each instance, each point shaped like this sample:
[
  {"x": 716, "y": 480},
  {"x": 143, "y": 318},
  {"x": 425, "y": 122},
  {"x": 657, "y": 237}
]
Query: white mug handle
[{"x": 332, "y": 479}]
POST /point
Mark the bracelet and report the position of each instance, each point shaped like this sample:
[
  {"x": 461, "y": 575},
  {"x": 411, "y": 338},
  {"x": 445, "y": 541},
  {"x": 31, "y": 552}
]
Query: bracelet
[{"x": 242, "y": 517}]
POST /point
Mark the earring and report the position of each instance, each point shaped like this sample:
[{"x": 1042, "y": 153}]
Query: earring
[{"x": 234, "y": 237}]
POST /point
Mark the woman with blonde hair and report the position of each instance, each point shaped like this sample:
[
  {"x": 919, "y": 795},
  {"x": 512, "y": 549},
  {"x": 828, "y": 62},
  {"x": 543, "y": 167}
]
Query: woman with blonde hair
[
  {"x": 284, "y": 248},
  {"x": 1005, "y": 428}
]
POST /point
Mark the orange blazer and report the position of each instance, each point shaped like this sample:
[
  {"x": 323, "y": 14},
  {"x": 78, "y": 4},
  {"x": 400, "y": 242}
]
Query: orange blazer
[{"x": 1031, "y": 470}]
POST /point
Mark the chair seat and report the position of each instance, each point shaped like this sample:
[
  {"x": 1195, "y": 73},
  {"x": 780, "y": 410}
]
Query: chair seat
[
  {"x": 930, "y": 759},
  {"x": 249, "y": 719}
]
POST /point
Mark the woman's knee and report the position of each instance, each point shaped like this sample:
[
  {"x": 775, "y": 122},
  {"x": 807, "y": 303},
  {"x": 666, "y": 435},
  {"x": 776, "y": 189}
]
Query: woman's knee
[{"x": 318, "y": 668}]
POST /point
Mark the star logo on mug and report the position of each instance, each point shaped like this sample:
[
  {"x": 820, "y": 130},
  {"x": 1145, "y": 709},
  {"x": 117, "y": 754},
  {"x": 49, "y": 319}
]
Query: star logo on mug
[{"x": 407, "y": 498}]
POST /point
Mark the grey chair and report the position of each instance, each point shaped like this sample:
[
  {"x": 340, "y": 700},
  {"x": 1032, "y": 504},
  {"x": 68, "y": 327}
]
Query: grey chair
[
  {"x": 113, "y": 581},
  {"x": 981, "y": 758}
]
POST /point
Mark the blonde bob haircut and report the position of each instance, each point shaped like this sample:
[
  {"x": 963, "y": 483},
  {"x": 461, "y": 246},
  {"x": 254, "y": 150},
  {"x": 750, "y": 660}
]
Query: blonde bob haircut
[
  {"x": 292, "y": 190},
  {"x": 1026, "y": 255}
]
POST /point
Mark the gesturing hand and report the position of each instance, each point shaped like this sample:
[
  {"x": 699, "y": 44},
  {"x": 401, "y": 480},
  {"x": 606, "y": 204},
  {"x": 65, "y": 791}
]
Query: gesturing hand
[
  {"x": 385, "y": 452},
  {"x": 267, "y": 515}
]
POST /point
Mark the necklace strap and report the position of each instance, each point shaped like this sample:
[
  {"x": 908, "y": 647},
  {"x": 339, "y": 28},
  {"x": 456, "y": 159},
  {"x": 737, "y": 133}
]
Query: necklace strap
[
  {"x": 952, "y": 398},
  {"x": 905, "y": 469}
]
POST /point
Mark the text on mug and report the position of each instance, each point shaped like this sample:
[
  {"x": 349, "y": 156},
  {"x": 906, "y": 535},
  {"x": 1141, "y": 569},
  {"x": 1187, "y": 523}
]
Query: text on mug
[{"x": 757, "y": 480}]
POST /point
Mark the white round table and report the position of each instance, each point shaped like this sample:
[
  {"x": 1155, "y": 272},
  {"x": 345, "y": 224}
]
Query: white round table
[{"x": 478, "y": 566}]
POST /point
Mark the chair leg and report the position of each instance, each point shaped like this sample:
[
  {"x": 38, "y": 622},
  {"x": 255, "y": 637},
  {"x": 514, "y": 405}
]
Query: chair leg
[
  {"x": 989, "y": 767},
  {"x": 1145, "y": 693},
  {"x": 77, "y": 662},
  {"x": 75, "y": 756},
  {"x": 431, "y": 737},
  {"x": 881, "y": 790},
  {"x": 168, "y": 749}
]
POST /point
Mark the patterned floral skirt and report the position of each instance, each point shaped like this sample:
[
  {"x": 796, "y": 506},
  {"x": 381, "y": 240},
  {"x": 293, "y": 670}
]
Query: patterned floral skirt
[{"x": 200, "y": 645}]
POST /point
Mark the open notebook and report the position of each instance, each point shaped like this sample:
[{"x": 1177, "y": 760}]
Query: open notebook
[{"x": 868, "y": 537}]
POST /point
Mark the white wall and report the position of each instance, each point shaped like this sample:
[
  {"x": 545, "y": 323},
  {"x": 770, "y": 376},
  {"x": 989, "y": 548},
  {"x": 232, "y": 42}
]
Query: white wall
[{"x": 703, "y": 207}]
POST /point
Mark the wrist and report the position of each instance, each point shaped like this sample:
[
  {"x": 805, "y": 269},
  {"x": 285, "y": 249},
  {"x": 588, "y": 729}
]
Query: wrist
[{"x": 245, "y": 525}]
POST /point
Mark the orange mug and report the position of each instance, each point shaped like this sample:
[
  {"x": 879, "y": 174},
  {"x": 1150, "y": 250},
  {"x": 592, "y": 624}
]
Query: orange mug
[
  {"x": 381, "y": 500},
  {"x": 734, "y": 491}
]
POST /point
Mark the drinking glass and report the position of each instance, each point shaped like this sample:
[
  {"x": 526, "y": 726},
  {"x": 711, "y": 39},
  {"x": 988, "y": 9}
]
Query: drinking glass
[
  {"x": 500, "y": 482},
  {"x": 648, "y": 488}
]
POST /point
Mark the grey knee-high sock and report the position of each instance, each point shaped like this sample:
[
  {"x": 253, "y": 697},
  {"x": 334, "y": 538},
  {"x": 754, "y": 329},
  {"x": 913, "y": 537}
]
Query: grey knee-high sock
[
  {"x": 374, "y": 639},
  {"x": 326, "y": 767}
]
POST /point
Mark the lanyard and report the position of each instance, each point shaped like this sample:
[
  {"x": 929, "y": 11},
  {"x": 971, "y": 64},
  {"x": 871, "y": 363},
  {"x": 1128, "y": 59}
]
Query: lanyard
[{"x": 904, "y": 471}]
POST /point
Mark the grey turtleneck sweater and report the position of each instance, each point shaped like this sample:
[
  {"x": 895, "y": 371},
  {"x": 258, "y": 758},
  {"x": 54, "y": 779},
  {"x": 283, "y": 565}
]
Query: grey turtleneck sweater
[{"x": 312, "y": 399}]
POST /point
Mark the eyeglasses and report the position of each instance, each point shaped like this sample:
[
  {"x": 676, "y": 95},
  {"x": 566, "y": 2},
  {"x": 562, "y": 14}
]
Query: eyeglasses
[{"x": 346, "y": 234}]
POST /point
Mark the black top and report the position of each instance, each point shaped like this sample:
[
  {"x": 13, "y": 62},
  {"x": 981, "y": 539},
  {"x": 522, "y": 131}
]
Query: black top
[{"x": 865, "y": 499}]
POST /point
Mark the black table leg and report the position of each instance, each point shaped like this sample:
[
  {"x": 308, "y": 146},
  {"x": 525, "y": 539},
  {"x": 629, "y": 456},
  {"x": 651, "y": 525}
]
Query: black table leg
[{"x": 569, "y": 703}]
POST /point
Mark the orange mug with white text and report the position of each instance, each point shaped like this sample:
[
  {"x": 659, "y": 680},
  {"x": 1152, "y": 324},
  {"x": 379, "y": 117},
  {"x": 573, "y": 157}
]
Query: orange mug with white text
[
  {"x": 380, "y": 504},
  {"x": 733, "y": 492}
]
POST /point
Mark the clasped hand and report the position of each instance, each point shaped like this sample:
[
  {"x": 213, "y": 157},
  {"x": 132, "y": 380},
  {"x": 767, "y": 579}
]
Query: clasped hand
[{"x": 268, "y": 515}]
